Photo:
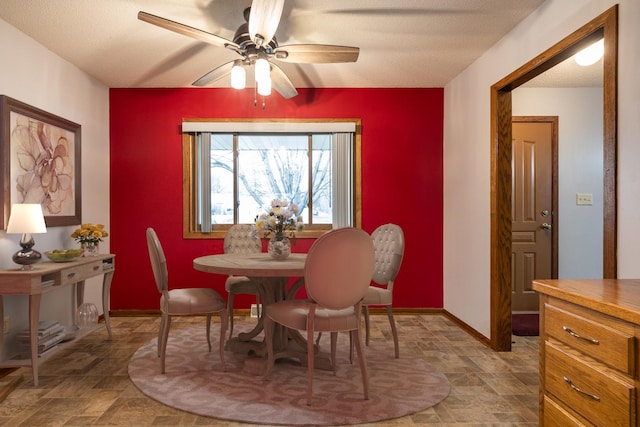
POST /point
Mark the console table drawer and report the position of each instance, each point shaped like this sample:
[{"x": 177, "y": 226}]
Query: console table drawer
[
  {"x": 597, "y": 393},
  {"x": 604, "y": 339},
  {"x": 80, "y": 272}
]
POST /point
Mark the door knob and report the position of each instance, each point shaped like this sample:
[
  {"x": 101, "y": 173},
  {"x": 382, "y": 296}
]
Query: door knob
[{"x": 545, "y": 226}]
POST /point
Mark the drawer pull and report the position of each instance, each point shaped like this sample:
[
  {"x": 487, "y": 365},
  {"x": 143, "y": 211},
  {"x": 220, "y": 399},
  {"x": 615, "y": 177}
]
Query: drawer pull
[
  {"x": 573, "y": 334},
  {"x": 70, "y": 275},
  {"x": 593, "y": 396}
]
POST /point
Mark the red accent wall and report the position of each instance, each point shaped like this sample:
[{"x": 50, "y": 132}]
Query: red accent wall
[{"x": 401, "y": 180}]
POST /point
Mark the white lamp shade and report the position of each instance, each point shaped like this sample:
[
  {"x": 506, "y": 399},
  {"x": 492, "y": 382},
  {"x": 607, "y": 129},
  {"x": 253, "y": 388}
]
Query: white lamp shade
[
  {"x": 590, "y": 55},
  {"x": 262, "y": 69},
  {"x": 264, "y": 19},
  {"x": 264, "y": 87},
  {"x": 26, "y": 218},
  {"x": 238, "y": 77}
]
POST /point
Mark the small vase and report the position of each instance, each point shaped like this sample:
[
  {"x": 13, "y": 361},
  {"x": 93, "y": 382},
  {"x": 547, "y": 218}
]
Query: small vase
[
  {"x": 87, "y": 315},
  {"x": 279, "y": 249},
  {"x": 90, "y": 249}
]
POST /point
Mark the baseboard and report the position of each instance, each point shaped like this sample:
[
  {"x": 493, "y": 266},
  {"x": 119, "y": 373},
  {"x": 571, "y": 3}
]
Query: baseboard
[
  {"x": 247, "y": 312},
  {"x": 468, "y": 329}
]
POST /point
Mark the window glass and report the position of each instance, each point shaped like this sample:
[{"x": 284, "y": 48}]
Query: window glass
[
  {"x": 222, "y": 172},
  {"x": 271, "y": 167},
  {"x": 321, "y": 179}
]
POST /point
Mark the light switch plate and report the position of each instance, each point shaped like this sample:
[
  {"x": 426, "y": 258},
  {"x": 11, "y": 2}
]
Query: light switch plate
[{"x": 584, "y": 199}]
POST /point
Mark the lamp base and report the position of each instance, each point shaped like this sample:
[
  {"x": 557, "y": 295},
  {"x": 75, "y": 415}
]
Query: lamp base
[{"x": 27, "y": 256}]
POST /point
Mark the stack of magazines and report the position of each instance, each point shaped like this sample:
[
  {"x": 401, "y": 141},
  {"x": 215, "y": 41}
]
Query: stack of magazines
[{"x": 50, "y": 334}]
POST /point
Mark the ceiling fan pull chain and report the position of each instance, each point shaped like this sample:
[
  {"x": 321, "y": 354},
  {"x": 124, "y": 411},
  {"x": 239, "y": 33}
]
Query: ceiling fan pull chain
[{"x": 255, "y": 96}]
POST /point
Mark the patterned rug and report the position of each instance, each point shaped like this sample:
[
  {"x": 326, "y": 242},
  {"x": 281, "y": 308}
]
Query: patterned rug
[{"x": 195, "y": 382}]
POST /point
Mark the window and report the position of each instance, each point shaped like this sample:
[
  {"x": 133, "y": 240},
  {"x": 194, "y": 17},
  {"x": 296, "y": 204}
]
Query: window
[{"x": 233, "y": 170}]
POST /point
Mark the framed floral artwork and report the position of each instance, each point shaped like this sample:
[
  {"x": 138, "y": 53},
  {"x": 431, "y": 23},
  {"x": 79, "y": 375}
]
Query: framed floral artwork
[{"x": 40, "y": 162}]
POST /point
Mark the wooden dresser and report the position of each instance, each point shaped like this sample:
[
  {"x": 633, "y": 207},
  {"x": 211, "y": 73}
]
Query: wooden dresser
[{"x": 589, "y": 362}]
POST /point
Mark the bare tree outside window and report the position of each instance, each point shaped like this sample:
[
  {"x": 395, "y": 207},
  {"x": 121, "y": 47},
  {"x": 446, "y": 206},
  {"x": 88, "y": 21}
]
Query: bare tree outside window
[{"x": 292, "y": 167}]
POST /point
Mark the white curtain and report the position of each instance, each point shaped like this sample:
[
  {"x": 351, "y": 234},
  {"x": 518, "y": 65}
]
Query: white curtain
[{"x": 342, "y": 169}]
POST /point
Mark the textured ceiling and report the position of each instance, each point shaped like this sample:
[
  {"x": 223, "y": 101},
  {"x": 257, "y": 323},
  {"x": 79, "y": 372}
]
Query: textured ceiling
[{"x": 403, "y": 43}]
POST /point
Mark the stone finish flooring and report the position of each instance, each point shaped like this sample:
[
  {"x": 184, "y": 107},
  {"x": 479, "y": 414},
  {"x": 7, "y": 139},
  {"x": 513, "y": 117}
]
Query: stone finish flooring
[{"x": 86, "y": 382}]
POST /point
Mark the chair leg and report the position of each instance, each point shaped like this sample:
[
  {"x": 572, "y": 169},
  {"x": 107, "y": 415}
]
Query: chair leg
[
  {"x": 165, "y": 338},
  {"x": 365, "y": 310},
  {"x": 224, "y": 319},
  {"x": 351, "y": 344},
  {"x": 163, "y": 320},
  {"x": 334, "y": 345},
  {"x": 209, "y": 331},
  {"x": 363, "y": 363},
  {"x": 394, "y": 331},
  {"x": 230, "y": 313},
  {"x": 310, "y": 356}
]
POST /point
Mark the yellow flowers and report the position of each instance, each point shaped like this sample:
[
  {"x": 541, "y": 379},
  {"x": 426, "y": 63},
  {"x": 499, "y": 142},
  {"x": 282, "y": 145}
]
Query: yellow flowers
[{"x": 89, "y": 233}]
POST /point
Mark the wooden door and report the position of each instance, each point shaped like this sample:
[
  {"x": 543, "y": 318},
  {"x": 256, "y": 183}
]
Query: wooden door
[{"x": 533, "y": 208}]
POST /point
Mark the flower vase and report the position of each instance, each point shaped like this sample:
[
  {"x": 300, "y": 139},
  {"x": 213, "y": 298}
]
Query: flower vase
[
  {"x": 279, "y": 249},
  {"x": 90, "y": 249}
]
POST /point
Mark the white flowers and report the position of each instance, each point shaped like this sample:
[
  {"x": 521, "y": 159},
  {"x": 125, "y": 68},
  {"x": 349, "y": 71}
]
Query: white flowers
[{"x": 282, "y": 220}]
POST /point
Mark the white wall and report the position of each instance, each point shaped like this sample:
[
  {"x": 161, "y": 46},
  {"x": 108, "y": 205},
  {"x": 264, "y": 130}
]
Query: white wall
[
  {"x": 34, "y": 75},
  {"x": 580, "y": 170},
  {"x": 467, "y": 150}
]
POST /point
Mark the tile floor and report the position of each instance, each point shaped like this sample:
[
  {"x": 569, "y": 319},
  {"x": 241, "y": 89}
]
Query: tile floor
[{"x": 86, "y": 383}]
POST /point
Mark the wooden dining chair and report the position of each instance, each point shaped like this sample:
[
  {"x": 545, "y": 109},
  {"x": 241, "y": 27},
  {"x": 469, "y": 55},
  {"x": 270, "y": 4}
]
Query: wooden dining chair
[
  {"x": 182, "y": 301},
  {"x": 388, "y": 244},
  {"x": 241, "y": 239},
  {"x": 338, "y": 271}
]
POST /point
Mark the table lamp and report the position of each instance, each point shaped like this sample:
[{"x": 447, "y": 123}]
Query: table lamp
[{"x": 27, "y": 219}]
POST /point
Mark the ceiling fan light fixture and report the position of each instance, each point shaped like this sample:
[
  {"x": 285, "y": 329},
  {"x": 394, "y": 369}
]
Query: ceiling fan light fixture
[
  {"x": 264, "y": 86},
  {"x": 590, "y": 55},
  {"x": 238, "y": 75},
  {"x": 262, "y": 69},
  {"x": 264, "y": 19}
]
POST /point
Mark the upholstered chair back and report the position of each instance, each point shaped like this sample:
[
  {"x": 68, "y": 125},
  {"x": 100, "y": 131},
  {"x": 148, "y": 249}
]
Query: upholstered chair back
[
  {"x": 388, "y": 243},
  {"x": 158, "y": 261},
  {"x": 339, "y": 267},
  {"x": 242, "y": 239}
]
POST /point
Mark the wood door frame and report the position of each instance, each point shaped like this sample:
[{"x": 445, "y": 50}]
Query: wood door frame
[
  {"x": 553, "y": 120},
  {"x": 604, "y": 26}
]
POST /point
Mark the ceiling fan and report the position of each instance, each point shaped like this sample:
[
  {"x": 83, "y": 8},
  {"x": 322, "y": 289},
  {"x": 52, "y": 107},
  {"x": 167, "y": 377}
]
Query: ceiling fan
[{"x": 257, "y": 46}]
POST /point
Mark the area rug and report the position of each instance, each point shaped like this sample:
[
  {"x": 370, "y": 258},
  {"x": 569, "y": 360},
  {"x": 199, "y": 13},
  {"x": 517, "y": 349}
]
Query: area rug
[
  {"x": 195, "y": 382},
  {"x": 525, "y": 324}
]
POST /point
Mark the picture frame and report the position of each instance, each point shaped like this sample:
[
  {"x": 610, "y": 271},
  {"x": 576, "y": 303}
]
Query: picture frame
[{"x": 40, "y": 162}]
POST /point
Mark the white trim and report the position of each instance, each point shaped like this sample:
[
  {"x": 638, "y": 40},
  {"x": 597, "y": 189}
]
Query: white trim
[{"x": 269, "y": 127}]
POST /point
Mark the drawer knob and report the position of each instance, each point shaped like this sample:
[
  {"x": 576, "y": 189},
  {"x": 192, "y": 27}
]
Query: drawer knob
[
  {"x": 575, "y": 388},
  {"x": 580, "y": 337}
]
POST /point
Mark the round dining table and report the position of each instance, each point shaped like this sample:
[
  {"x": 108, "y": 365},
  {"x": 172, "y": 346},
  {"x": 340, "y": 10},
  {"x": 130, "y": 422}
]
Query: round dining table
[{"x": 272, "y": 278}]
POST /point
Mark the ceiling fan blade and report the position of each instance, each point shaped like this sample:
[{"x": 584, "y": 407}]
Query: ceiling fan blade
[
  {"x": 185, "y": 30},
  {"x": 264, "y": 19},
  {"x": 281, "y": 83},
  {"x": 215, "y": 74},
  {"x": 316, "y": 53}
]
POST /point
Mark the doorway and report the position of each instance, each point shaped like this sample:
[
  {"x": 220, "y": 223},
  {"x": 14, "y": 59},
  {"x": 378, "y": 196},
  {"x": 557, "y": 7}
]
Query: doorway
[{"x": 602, "y": 27}]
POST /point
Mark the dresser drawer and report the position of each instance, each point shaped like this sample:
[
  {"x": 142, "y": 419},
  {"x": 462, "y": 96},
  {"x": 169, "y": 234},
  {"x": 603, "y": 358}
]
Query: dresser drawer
[
  {"x": 555, "y": 416},
  {"x": 603, "y": 338},
  {"x": 80, "y": 272},
  {"x": 601, "y": 395}
]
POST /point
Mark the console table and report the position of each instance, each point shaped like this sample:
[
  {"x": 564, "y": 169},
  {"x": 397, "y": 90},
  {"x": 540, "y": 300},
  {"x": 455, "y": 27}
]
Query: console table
[{"x": 47, "y": 276}]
